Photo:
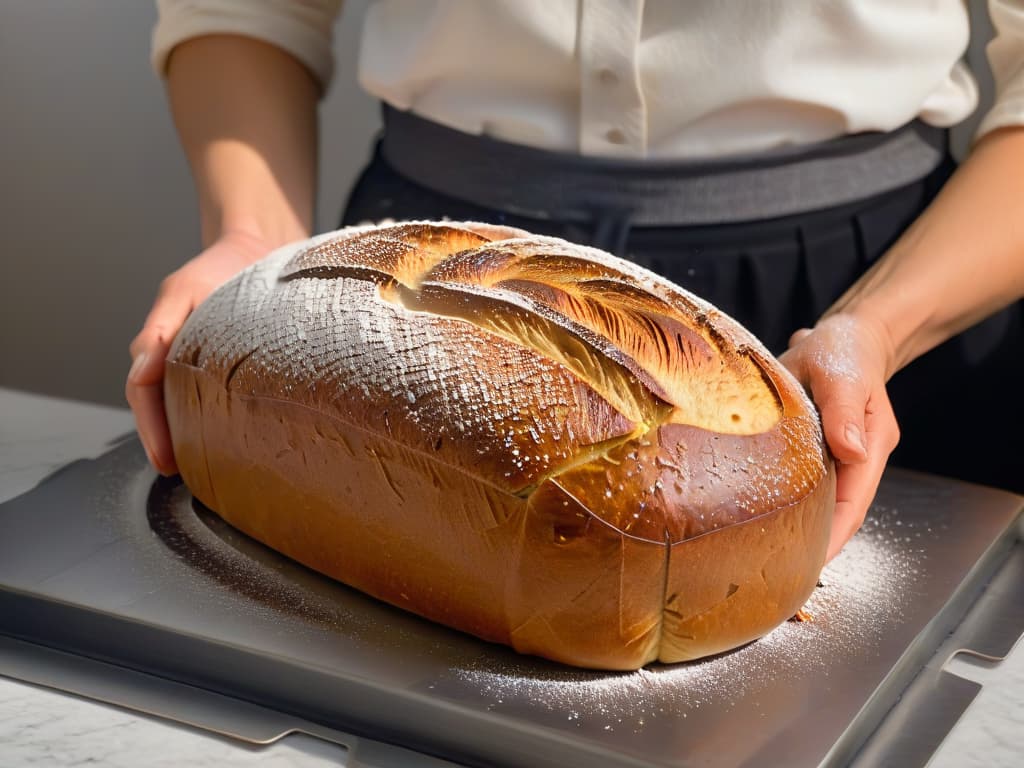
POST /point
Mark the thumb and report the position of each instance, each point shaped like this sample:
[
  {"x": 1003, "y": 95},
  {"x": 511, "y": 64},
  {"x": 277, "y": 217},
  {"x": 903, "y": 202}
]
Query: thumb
[
  {"x": 843, "y": 403},
  {"x": 149, "y": 348},
  {"x": 144, "y": 385}
]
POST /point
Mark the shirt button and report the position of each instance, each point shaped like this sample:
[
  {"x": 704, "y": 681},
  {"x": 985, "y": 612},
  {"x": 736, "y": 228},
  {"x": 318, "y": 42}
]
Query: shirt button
[
  {"x": 615, "y": 136},
  {"x": 606, "y": 76}
]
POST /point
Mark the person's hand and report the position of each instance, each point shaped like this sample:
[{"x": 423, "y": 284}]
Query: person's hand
[
  {"x": 844, "y": 363},
  {"x": 180, "y": 293}
]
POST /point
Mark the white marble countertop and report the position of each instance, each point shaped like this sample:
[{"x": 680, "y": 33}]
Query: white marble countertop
[{"x": 42, "y": 727}]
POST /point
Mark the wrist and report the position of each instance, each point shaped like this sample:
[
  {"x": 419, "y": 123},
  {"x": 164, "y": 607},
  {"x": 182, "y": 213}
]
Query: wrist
[
  {"x": 266, "y": 232},
  {"x": 896, "y": 301},
  {"x": 861, "y": 328},
  {"x": 891, "y": 332}
]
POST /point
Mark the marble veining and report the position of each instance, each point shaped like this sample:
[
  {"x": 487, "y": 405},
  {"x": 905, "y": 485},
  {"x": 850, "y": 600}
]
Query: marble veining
[{"x": 39, "y": 727}]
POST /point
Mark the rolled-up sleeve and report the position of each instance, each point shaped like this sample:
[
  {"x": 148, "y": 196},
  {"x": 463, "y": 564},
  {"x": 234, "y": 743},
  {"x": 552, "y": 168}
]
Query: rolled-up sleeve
[
  {"x": 1006, "y": 55},
  {"x": 302, "y": 28}
]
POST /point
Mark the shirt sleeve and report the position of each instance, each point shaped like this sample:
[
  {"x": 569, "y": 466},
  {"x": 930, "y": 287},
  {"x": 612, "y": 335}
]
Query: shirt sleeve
[
  {"x": 1006, "y": 56},
  {"x": 302, "y": 28}
]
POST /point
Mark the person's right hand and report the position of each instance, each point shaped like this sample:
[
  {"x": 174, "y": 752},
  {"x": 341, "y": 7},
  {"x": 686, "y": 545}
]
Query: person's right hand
[{"x": 180, "y": 293}]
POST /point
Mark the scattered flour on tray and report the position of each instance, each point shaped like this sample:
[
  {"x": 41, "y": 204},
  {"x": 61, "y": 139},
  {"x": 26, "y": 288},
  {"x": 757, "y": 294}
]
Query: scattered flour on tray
[{"x": 861, "y": 593}]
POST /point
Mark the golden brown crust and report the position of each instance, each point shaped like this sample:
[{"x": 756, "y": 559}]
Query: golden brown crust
[{"x": 524, "y": 439}]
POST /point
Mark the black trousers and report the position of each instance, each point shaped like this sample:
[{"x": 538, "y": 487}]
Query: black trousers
[{"x": 960, "y": 407}]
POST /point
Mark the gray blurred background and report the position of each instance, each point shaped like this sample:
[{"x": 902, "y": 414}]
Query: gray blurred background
[{"x": 96, "y": 203}]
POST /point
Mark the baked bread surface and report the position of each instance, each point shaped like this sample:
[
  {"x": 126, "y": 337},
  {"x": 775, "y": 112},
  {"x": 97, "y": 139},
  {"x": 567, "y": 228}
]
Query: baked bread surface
[{"x": 525, "y": 439}]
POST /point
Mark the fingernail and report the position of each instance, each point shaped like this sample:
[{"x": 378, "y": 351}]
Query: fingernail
[
  {"x": 855, "y": 436},
  {"x": 137, "y": 365}
]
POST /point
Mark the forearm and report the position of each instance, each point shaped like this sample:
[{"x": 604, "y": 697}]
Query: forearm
[
  {"x": 246, "y": 115},
  {"x": 960, "y": 261}
]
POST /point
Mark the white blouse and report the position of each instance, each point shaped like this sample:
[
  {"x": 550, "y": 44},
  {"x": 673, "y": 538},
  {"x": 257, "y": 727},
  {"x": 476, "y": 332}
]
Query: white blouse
[{"x": 646, "y": 78}]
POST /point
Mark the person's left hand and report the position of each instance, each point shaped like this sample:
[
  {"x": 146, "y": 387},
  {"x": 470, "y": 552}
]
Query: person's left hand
[{"x": 843, "y": 362}]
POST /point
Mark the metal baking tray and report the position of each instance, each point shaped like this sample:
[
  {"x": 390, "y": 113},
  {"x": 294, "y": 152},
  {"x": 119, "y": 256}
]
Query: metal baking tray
[{"x": 106, "y": 562}]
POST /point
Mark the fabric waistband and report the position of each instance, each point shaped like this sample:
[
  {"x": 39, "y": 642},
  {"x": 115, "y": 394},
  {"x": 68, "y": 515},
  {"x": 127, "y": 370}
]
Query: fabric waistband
[{"x": 541, "y": 184}]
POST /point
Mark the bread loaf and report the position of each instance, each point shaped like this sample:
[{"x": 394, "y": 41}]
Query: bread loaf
[{"x": 527, "y": 440}]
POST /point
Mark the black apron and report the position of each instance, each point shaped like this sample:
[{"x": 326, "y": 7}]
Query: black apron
[{"x": 773, "y": 240}]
